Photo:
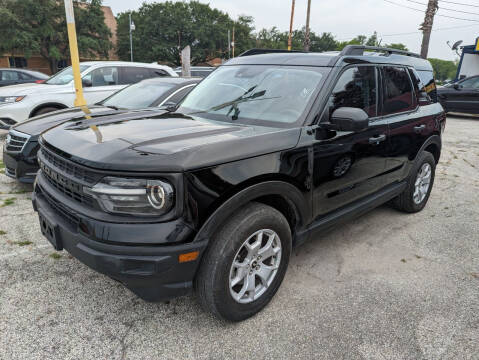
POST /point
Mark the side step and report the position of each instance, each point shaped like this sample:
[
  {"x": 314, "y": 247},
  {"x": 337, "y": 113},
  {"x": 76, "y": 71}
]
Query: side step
[{"x": 350, "y": 211}]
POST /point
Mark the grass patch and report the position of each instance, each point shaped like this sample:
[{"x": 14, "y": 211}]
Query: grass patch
[
  {"x": 403, "y": 260},
  {"x": 9, "y": 201},
  {"x": 23, "y": 243},
  {"x": 55, "y": 256},
  {"x": 17, "y": 192},
  {"x": 3, "y": 232},
  {"x": 2, "y": 165}
]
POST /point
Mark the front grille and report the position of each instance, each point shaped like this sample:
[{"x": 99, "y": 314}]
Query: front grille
[
  {"x": 68, "y": 188},
  {"x": 16, "y": 141},
  {"x": 67, "y": 215},
  {"x": 10, "y": 171},
  {"x": 69, "y": 168}
]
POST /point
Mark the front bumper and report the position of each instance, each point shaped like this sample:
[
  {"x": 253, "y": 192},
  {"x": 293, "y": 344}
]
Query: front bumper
[
  {"x": 153, "y": 272},
  {"x": 22, "y": 166}
]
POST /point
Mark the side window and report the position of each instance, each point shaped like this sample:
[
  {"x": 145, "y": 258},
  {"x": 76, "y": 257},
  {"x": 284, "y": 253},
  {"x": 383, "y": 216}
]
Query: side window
[
  {"x": 357, "y": 88},
  {"x": 427, "y": 79},
  {"x": 176, "y": 98},
  {"x": 398, "y": 96},
  {"x": 472, "y": 83},
  {"x": 9, "y": 75},
  {"x": 419, "y": 88},
  {"x": 103, "y": 76},
  {"x": 158, "y": 73},
  {"x": 25, "y": 76},
  {"x": 132, "y": 75}
]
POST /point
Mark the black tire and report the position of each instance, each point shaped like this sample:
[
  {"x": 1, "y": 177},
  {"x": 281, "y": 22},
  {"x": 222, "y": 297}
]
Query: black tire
[
  {"x": 212, "y": 281},
  {"x": 45, "y": 110},
  {"x": 405, "y": 202}
]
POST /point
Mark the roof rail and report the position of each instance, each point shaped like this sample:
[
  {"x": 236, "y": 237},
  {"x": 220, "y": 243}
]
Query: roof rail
[
  {"x": 266, "y": 51},
  {"x": 358, "y": 50}
]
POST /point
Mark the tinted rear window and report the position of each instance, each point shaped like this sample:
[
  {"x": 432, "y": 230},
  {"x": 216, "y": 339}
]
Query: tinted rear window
[
  {"x": 427, "y": 79},
  {"x": 398, "y": 92}
]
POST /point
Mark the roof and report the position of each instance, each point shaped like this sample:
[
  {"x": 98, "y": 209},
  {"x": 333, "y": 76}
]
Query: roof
[
  {"x": 350, "y": 54},
  {"x": 124, "y": 63}
]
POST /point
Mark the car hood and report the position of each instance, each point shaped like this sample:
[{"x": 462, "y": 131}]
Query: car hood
[
  {"x": 38, "y": 124},
  {"x": 33, "y": 88},
  {"x": 164, "y": 142}
]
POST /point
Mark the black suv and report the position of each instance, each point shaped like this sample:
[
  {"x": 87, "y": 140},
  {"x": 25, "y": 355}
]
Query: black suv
[{"x": 266, "y": 152}]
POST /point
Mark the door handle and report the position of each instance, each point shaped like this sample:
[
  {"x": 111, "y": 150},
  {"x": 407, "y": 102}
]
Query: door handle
[
  {"x": 419, "y": 129},
  {"x": 375, "y": 140}
]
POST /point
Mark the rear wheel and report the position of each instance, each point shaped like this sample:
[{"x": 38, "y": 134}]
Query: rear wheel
[
  {"x": 419, "y": 185},
  {"x": 245, "y": 263}
]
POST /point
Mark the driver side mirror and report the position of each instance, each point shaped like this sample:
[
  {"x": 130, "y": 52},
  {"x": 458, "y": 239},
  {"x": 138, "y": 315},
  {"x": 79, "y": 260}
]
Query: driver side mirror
[
  {"x": 86, "y": 82},
  {"x": 457, "y": 86},
  {"x": 350, "y": 119},
  {"x": 169, "y": 106}
]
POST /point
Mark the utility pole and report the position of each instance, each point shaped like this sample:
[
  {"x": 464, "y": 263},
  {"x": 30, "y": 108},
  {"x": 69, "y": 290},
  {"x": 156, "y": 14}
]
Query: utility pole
[
  {"x": 307, "y": 40},
  {"x": 426, "y": 26},
  {"x": 291, "y": 26},
  {"x": 75, "y": 58},
  {"x": 132, "y": 27}
]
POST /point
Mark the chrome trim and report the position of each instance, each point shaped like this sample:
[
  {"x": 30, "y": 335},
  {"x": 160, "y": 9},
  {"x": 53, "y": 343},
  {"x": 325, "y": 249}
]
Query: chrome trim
[
  {"x": 17, "y": 134},
  {"x": 176, "y": 92}
]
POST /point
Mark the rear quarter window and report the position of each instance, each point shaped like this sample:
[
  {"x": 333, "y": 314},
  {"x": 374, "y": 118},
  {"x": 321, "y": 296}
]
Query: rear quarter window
[{"x": 427, "y": 78}]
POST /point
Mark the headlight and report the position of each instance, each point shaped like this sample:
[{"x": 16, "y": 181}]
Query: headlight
[
  {"x": 11, "y": 99},
  {"x": 133, "y": 196}
]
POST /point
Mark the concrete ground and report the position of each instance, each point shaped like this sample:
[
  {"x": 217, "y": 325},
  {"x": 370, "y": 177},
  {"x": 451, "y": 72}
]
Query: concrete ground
[{"x": 386, "y": 286}]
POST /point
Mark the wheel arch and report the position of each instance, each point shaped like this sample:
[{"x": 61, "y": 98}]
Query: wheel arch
[
  {"x": 433, "y": 145},
  {"x": 281, "y": 195},
  {"x": 57, "y": 105}
]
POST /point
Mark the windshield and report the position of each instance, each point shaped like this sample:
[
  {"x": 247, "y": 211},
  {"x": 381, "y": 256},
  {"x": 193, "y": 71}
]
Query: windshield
[
  {"x": 138, "y": 96},
  {"x": 252, "y": 93},
  {"x": 64, "y": 76}
]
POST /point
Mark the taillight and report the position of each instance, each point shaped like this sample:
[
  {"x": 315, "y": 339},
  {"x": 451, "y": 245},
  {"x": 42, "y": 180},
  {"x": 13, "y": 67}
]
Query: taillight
[{"x": 39, "y": 81}]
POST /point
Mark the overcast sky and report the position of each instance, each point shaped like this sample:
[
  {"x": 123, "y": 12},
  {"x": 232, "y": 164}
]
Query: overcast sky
[{"x": 348, "y": 18}]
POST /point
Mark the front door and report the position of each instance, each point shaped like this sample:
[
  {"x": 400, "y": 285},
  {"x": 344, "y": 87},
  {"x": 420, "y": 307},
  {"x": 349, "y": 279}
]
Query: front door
[
  {"x": 350, "y": 165},
  {"x": 465, "y": 98}
]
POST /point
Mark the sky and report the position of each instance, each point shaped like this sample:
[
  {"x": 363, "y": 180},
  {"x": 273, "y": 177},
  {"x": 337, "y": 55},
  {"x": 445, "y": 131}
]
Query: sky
[{"x": 347, "y": 18}]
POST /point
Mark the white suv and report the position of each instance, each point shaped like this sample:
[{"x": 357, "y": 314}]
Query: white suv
[{"x": 100, "y": 79}]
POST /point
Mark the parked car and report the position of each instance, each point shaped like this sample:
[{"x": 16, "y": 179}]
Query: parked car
[
  {"x": 21, "y": 146},
  {"x": 200, "y": 71},
  {"x": 461, "y": 96},
  {"x": 100, "y": 79},
  {"x": 262, "y": 155},
  {"x": 13, "y": 76}
]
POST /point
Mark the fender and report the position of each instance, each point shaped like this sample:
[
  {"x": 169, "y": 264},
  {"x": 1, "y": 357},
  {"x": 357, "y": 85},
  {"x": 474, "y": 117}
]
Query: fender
[
  {"x": 432, "y": 140},
  {"x": 289, "y": 192}
]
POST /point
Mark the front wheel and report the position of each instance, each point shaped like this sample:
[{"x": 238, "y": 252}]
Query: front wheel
[
  {"x": 245, "y": 263},
  {"x": 419, "y": 185}
]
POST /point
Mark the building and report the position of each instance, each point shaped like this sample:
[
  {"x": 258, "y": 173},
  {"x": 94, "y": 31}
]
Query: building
[
  {"x": 469, "y": 63},
  {"x": 38, "y": 63}
]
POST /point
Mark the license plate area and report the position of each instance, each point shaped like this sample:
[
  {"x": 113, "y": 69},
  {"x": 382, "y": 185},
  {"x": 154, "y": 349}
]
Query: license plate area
[{"x": 51, "y": 231}]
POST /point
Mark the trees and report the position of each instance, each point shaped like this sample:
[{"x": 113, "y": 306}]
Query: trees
[
  {"x": 443, "y": 69},
  {"x": 163, "y": 29},
  {"x": 39, "y": 27}
]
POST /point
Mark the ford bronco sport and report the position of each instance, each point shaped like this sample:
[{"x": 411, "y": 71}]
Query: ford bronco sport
[{"x": 268, "y": 151}]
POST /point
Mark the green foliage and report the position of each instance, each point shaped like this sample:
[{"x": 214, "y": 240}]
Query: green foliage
[
  {"x": 443, "y": 69},
  {"x": 164, "y": 29},
  {"x": 39, "y": 27}
]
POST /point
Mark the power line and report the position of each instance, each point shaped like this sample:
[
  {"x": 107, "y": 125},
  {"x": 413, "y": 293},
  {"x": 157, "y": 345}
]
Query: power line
[
  {"x": 456, "y": 3},
  {"x": 443, "y": 8},
  {"x": 422, "y": 11}
]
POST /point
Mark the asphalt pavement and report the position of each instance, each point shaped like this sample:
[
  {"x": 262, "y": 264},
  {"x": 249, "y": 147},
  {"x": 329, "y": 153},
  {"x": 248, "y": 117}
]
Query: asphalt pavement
[{"x": 385, "y": 286}]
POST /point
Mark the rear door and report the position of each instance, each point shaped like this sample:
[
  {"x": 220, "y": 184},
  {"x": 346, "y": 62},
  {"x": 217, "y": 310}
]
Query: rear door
[
  {"x": 350, "y": 165},
  {"x": 104, "y": 82},
  {"x": 410, "y": 114}
]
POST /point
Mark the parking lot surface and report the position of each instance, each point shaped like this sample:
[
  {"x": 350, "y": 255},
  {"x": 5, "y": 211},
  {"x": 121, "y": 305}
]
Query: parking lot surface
[{"x": 385, "y": 286}]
